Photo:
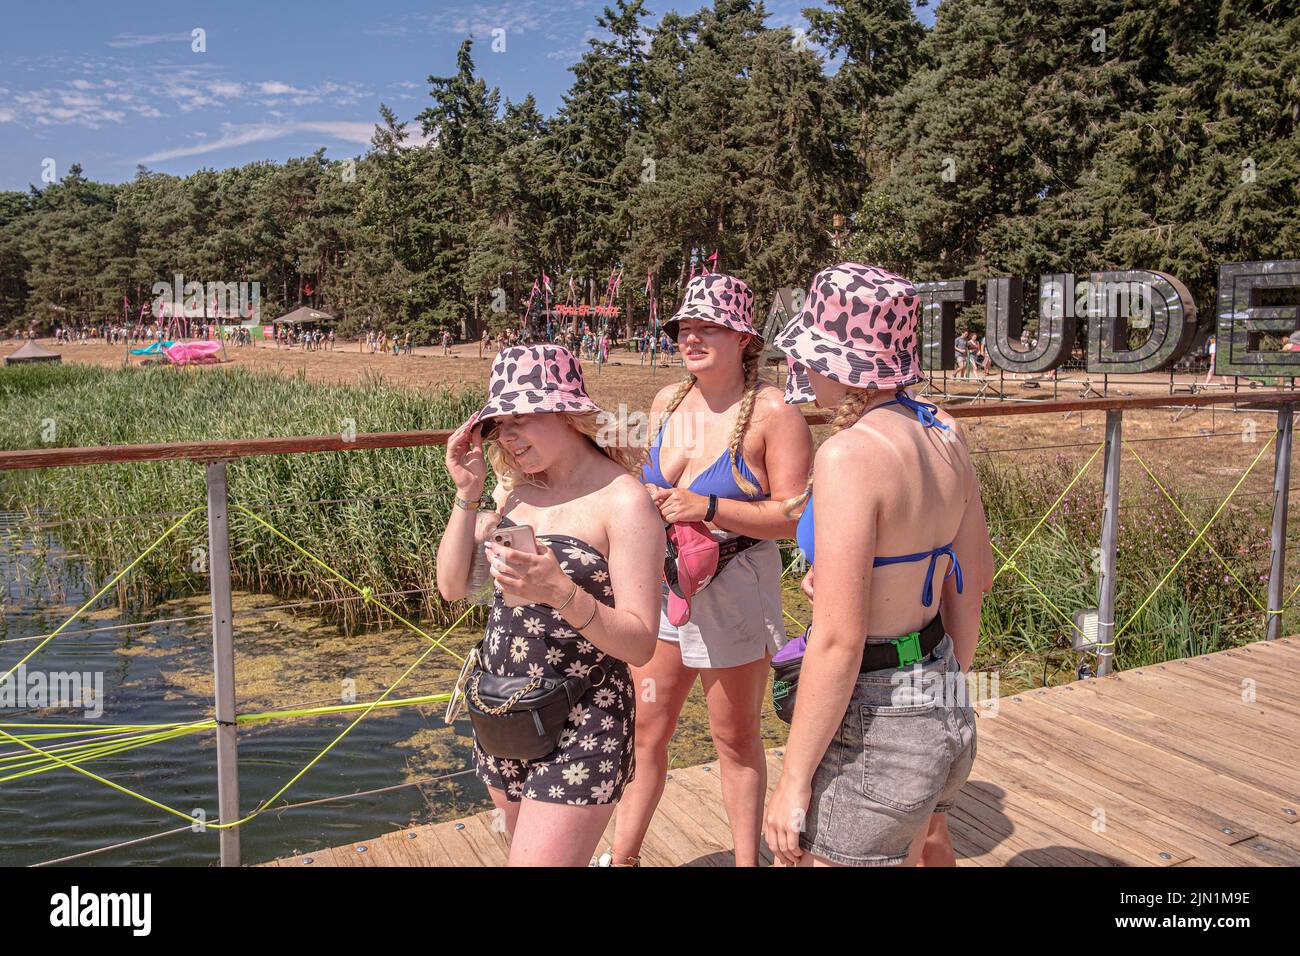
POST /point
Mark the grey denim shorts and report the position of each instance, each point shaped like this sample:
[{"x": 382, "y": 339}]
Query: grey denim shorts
[{"x": 903, "y": 751}]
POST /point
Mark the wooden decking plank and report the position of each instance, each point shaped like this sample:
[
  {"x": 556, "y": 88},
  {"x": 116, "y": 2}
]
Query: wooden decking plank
[
  {"x": 1133, "y": 747},
  {"x": 487, "y": 843},
  {"x": 1089, "y": 847},
  {"x": 707, "y": 790},
  {"x": 1248, "y": 725},
  {"x": 1199, "y": 745},
  {"x": 1193, "y": 823},
  {"x": 1283, "y": 655},
  {"x": 1269, "y": 690},
  {"x": 675, "y": 838},
  {"x": 710, "y": 836},
  {"x": 322, "y": 857},
  {"x": 468, "y": 835},
  {"x": 415, "y": 846},
  {"x": 1044, "y": 840},
  {"x": 1261, "y": 784},
  {"x": 1007, "y": 851},
  {"x": 450, "y": 844},
  {"x": 347, "y": 855},
  {"x": 1131, "y": 842}
]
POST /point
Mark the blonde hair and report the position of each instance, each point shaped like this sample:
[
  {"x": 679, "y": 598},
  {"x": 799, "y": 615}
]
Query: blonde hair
[
  {"x": 850, "y": 408},
  {"x": 749, "y": 361},
  {"x": 507, "y": 469}
]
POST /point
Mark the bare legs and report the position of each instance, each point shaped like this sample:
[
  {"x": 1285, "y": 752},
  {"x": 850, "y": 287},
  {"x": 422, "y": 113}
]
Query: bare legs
[
  {"x": 735, "y": 696},
  {"x": 937, "y": 844},
  {"x": 661, "y": 688},
  {"x": 551, "y": 834}
]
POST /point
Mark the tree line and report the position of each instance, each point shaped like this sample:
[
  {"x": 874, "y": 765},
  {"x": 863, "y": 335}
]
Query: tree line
[{"x": 1012, "y": 137}]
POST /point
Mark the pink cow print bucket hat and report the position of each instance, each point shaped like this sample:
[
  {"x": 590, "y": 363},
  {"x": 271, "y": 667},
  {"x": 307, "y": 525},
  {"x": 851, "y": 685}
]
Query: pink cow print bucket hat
[
  {"x": 858, "y": 327},
  {"x": 527, "y": 379},
  {"x": 721, "y": 299}
]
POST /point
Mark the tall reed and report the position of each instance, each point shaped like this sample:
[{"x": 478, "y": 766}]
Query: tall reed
[{"x": 375, "y": 516}]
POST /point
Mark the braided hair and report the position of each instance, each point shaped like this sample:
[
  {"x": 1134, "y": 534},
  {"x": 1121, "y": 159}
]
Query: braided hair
[{"x": 749, "y": 359}]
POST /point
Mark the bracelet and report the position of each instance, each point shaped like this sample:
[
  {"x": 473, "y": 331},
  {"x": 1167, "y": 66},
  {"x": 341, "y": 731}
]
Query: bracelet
[
  {"x": 571, "y": 596},
  {"x": 586, "y": 624},
  {"x": 468, "y": 505},
  {"x": 713, "y": 508}
]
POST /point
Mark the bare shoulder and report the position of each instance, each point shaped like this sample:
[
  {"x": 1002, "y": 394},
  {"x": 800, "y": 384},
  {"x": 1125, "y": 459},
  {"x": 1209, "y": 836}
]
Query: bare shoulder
[
  {"x": 664, "y": 395},
  {"x": 847, "y": 454},
  {"x": 770, "y": 405},
  {"x": 625, "y": 500}
]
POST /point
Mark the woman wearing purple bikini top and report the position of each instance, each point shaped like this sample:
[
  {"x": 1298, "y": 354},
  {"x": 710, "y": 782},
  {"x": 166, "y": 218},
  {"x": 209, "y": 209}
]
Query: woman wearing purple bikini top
[
  {"x": 726, "y": 450},
  {"x": 882, "y": 737}
]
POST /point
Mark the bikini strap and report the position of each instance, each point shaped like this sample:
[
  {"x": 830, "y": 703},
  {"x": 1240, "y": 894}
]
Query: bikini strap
[
  {"x": 926, "y": 413},
  {"x": 927, "y": 592}
]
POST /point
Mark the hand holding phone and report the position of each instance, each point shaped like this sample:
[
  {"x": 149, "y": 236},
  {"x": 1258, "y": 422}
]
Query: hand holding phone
[{"x": 517, "y": 538}]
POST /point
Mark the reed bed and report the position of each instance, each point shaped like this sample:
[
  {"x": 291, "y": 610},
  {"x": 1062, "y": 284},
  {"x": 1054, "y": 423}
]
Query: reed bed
[{"x": 374, "y": 516}]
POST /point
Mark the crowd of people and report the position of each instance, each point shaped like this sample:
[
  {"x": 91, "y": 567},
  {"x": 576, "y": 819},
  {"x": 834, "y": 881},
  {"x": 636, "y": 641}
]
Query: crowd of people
[
  {"x": 307, "y": 339},
  {"x": 381, "y": 342},
  {"x": 622, "y": 575}
]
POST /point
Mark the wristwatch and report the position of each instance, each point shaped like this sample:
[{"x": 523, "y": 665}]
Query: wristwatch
[
  {"x": 713, "y": 508},
  {"x": 469, "y": 505}
]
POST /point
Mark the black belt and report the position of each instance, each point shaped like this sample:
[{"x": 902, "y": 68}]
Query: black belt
[
  {"x": 904, "y": 651},
  {"x": 733, "y": 546}
]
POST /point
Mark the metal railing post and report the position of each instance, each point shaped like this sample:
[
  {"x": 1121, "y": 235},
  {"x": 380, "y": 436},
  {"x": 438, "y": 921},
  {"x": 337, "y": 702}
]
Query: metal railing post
[
  {"x": 223, "y": 655},
  {"x": 1109, "y": 543},
  {"x": 1281, "y": 489}
]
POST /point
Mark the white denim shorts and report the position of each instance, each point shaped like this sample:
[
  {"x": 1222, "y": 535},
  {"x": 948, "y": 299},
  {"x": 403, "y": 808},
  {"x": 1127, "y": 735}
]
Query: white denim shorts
[{"x": 737, "y": 618}]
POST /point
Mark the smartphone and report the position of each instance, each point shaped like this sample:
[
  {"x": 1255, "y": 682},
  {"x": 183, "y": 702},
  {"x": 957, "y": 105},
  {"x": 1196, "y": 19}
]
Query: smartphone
[{"x": 520, "y": 537}]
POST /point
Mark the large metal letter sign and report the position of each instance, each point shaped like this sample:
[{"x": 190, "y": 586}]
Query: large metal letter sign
[
  {"x": 1241, "y": 318},
  {"x": 785, "y": 306},
  {"x": 939, "y": 301},
  {"x": 1117, "y": 298},
  {"x": 1056, "y": 325}
]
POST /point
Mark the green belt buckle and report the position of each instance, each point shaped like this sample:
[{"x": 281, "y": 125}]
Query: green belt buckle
[{"x": 909, "y": 648}]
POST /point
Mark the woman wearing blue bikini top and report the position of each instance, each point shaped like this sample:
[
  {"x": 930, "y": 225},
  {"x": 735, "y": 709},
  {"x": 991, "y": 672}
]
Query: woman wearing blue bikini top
[
  {"x": 726, "y": 451},
  {"x": 882, "y": 737}
]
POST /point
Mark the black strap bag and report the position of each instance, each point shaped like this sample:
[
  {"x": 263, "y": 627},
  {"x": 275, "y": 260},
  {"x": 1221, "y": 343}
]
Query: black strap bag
[{"x": 522, "y": 718}]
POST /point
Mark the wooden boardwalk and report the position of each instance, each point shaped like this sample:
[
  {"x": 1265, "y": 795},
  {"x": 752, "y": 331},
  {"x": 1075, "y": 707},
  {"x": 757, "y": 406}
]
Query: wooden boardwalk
[{"x": 1191, "y": 763}]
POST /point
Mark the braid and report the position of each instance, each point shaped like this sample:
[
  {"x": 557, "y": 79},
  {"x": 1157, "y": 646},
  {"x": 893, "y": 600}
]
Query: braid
[
  {"x": 673, "y": 402},
  {"x": 851, "y": 408},
  {"x": 749, "y": 360}
]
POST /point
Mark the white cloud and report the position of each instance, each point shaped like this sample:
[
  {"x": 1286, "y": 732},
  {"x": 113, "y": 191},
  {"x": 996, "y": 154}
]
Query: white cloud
[
  {"x": 228, "y": 140},
  {"x": 231, "y": 137},
  {"x": 274, "y": 88},
  {"x": 137, "y": 39}
]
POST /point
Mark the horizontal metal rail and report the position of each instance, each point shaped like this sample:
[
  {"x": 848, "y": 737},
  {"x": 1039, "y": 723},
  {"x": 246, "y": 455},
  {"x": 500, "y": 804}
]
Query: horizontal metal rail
[{"x": 368, "y": 441}]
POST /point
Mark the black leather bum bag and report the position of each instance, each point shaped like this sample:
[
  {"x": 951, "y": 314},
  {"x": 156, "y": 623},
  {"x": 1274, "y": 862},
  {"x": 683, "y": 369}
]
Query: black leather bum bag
[{"x": 522, "y": 718}]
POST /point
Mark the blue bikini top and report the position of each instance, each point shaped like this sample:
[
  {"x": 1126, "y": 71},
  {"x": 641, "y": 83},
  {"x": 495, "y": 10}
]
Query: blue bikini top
[
  {"x": 717, "y": 479},
  {"x": 925, "y": 414}
]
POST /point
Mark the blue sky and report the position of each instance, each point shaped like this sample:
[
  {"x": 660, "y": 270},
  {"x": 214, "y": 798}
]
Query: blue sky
[{"x": 115, "y": 83}]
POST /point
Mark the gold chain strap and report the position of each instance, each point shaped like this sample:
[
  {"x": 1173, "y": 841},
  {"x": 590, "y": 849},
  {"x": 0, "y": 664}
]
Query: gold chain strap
[{"x": 504, "y": 708}]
